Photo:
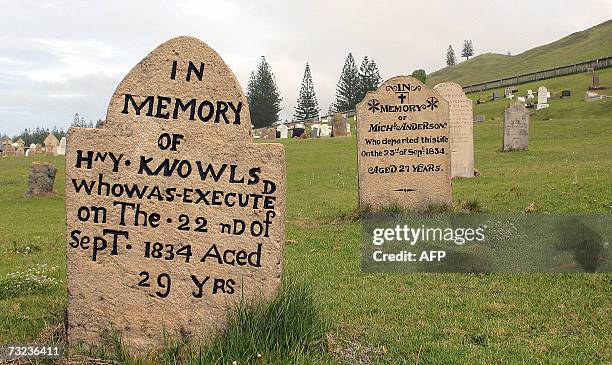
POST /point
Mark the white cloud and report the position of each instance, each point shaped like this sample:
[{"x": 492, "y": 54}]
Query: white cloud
[{"x": 65, "y": 56}]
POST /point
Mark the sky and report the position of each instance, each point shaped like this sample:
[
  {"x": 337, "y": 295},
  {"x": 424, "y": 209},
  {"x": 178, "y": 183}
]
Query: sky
[{"x": 58, "y": 58}]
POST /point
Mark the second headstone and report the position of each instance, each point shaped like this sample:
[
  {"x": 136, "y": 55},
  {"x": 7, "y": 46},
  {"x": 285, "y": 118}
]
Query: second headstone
[{"x": 403, "y": 146}]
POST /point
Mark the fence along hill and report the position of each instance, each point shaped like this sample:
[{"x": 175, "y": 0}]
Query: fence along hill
[{"x": 577, "y": 47}]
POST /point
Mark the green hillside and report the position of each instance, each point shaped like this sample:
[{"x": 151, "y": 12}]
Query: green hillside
[{"x": 577, "y": 47}]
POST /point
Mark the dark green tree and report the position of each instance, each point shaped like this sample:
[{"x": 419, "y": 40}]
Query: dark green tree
[
  {"x": 263, "y": 95},
  {"x": 307, "y": 106},
  {"x": 369, "y": 77},
  {"x": 468, "y": 49},
  {"x": 450, "y": 56},
  {"x": 420, "y": 75},
  {"x": 348, "y": 87}
]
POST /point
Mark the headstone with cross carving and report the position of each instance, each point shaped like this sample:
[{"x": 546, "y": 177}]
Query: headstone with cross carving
[
  {"x": 403, "y": 146},
  {"x": 173, "y": 214}
]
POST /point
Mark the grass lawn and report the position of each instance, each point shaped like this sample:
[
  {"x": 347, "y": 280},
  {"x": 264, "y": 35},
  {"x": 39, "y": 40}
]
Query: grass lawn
[{"x": 392, "y": 318}]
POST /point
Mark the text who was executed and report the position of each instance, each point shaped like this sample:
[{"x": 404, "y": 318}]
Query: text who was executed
[{"x": 173, "y": 214}]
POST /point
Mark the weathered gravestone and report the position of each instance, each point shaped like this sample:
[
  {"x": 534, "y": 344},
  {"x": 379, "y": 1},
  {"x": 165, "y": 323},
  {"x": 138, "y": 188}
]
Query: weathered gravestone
[
  {"x": 461, "y": 121},
  {"x": 61, "y": 149},
  {"x": 41, "y": 179},
  {"x": 340, "y": 127},
  {"x": 19, "y": 151},
  {"x": 595, "y": 83},
  {"x": 173, "y": 214},
  {"x": 51, "y": 143},
  {"x": 38, "y": 149},
  {"x": 9, "y": 150},
  {"x": 516, "y": 127},
  {"x": 403, "y": 146},
  {"x": 480, "y": 118}
]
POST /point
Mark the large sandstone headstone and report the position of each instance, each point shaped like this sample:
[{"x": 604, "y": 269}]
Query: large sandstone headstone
[
  {"x": 173, "y": 214},
  {"x": 19, "y": 151},
  {"x": 403, "y": 146},
  {"x": 461, "y": 120},
  {"x": 41, "y": 179},
  {"x": 38, "y": 149},
  {"x": 516, "y": 127}
]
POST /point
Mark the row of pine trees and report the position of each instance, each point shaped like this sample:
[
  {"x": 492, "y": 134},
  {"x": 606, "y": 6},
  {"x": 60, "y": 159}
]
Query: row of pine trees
[
  {"x": 354, "y": 83},
  {"x": 264, "y": 97}
]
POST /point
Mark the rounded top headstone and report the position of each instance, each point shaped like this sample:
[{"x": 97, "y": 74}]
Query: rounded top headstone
[
  {"x": 183, "y": 83},
  {"x": 448, "y": 87}
]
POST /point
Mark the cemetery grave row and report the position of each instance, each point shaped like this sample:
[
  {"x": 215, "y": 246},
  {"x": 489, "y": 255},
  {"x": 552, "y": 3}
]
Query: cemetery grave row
[
  {"x": 52, "y": 147},
  {"x": 171, "y": 206}
]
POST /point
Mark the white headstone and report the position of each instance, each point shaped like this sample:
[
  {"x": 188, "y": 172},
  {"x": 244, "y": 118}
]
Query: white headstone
[
  {"x": 542, "y": 98},
  {"x": 61, "y": 149},
  {"x": 284, "y": 131},
  {"x": 325, "y": 130}
]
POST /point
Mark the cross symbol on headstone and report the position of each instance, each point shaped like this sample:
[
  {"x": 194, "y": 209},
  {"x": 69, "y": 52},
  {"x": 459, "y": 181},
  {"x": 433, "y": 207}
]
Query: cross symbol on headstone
[{"x": 402, "y": 97}]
